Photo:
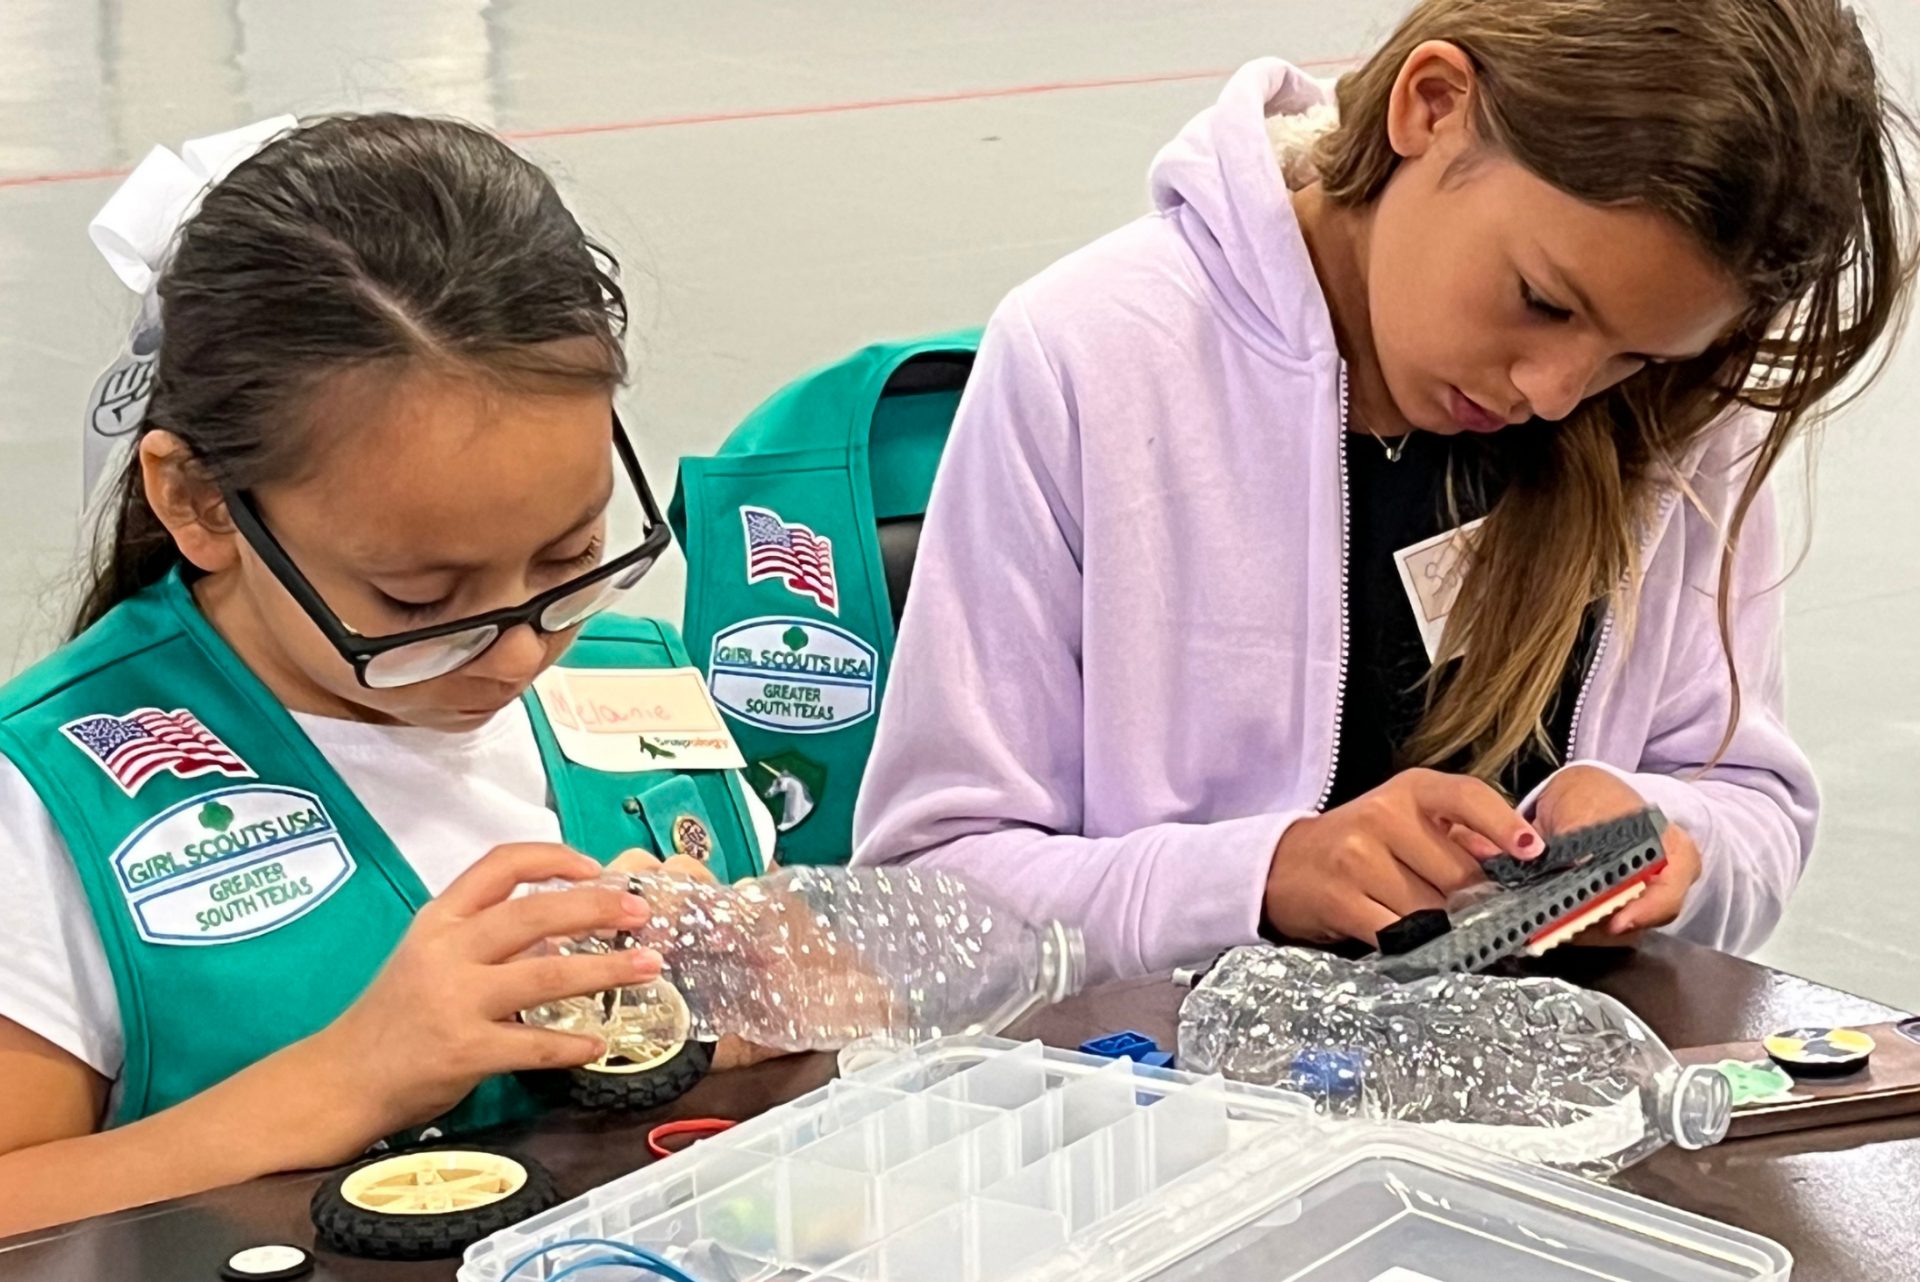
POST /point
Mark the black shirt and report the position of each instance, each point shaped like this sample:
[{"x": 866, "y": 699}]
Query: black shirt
[{"x": 1392, "y": 504}]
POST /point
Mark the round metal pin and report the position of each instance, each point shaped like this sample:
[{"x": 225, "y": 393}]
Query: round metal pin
[
  {"x": 692, "y": 838},
  {"x": 1820, "y": 1052}
]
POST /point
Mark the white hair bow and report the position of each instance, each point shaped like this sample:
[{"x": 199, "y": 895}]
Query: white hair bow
[
  {"x": 135, "y": 231},
  {"x": 136, "y": 227}
]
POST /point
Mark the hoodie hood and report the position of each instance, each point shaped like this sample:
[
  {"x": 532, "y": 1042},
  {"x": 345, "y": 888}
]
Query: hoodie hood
[{"x": 1221, "y": 179}]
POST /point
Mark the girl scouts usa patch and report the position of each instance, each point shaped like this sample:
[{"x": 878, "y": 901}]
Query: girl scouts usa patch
[
  {"x": 796, "y": 675},
  {"x": 231, "y": 865}
]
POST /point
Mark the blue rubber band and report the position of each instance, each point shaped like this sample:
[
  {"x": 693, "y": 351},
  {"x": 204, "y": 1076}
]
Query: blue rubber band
[{"x": 631, "y": 1257}]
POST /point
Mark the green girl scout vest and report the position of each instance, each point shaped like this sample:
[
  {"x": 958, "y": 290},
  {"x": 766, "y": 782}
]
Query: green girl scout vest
[
  {"x": 244, "y": 895},
  {"x": 788, "y": 606}
]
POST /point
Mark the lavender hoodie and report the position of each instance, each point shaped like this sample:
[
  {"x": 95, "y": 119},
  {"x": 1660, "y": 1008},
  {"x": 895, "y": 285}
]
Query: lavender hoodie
[{"x": 1119, "y": 675}]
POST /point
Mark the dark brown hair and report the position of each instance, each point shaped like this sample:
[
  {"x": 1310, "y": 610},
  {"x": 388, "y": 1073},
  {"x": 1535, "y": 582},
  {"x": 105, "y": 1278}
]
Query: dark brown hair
[
  {"x": 350, "y": 241},
  {"x": 1760, "y": 127}
]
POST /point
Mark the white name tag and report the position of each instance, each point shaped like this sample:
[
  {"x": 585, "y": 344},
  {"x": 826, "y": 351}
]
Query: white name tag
[
  {"x": 1431, "y": 571},
  {"x": 629, "y": 720},
  {"x": 231, "y": 865}
]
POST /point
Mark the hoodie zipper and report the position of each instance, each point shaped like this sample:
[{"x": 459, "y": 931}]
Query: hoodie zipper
[
  {"x": 1340, "y": 681},
  {"x": 1586, "y": 684},
  {"x": 1660, "y": 517}
]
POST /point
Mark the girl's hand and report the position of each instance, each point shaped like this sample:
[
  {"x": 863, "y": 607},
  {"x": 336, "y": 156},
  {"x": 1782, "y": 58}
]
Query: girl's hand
[
  {"x": 1407, "y": 845},
  {"x": 732, "y": 1052},
  {"x": 1581, "y": 796},
  {"x": 440, "y": 1016}
]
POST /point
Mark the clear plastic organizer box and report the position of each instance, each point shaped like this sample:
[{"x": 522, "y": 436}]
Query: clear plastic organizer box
[{"x": 980, "y": 1160}]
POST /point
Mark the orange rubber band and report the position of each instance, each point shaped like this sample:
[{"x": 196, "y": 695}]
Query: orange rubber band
[{"x": 699, "y": 1128}]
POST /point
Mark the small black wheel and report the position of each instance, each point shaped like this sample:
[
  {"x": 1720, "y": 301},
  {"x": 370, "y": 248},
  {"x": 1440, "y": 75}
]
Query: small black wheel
[
  {"x": 429, "y": 1203},
  {"x": 629, "y": 1087}
]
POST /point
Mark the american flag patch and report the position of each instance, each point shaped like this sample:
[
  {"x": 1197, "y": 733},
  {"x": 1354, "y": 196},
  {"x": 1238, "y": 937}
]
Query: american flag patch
[
  {"x": 148, "y": 742},
  {"x": 793, "y": 554}
]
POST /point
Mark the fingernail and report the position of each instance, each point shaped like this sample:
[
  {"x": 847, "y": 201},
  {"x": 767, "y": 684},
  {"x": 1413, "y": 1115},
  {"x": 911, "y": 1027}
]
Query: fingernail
[
  {"x": 645, "y": 961},
  {"x": 1529, "y": 842},
  {"x": 632, "y": 905}
]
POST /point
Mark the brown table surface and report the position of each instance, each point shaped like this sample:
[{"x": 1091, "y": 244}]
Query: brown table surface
[{"x": 1845, "y": 1201}]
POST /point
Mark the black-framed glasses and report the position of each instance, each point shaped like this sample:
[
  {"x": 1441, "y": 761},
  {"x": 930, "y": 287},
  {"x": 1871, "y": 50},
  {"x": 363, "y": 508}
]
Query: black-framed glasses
[{"x": 421, "y": 654}]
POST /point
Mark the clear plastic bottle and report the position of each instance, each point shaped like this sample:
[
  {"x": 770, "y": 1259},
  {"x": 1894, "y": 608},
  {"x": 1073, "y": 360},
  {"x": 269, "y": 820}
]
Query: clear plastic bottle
[
  {"x": 1534, "y": 1068},
  {"x": 817, "y": 958}
]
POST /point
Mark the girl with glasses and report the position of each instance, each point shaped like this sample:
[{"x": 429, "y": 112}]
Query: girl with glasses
[{"x": 263, "y": 817}]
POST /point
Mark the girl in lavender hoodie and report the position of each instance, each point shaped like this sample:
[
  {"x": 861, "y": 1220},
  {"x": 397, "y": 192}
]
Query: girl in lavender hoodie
[{"x": 1193, "y": 654}]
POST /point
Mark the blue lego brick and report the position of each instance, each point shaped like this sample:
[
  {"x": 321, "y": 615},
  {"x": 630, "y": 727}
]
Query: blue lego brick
[{"x": 1137, "y": 1047}]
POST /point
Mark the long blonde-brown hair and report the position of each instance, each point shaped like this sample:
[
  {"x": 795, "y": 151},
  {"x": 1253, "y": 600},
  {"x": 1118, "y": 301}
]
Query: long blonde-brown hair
[{"x": 1759, "y": 126}]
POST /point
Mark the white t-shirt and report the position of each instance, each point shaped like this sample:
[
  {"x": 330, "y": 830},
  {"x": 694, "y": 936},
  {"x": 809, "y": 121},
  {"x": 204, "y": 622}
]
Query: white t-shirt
[{"x": 487, "y": 788}]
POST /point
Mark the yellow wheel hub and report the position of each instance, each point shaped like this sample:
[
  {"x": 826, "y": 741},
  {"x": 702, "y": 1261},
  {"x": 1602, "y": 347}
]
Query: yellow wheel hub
[
  {"x": 433, "y": 1183},
  {"x": 648, "y": 1027}
]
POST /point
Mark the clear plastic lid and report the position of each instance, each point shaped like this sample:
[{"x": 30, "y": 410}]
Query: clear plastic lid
[{"x": 979, "y": 1160}]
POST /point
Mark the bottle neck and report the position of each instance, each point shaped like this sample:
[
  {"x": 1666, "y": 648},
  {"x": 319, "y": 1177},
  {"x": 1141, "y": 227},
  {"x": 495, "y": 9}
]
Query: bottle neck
[
  {"x": 1695, "y": 1106},
  {"x": 1063, "y": 961}
]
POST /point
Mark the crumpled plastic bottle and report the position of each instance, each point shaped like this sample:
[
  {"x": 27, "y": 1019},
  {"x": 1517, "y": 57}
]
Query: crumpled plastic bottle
[
  {"x": 817, "y": 958},
  {"x": 1534, "y": 1068}
]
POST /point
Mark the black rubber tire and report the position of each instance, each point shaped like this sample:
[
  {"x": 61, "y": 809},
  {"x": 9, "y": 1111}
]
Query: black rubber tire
[
  {"x": 638, "y": 1092},
  {"x": 344, "y": 1227}
]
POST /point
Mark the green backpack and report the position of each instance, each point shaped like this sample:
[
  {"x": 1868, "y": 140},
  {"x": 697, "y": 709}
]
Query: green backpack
[{"x": 799, "y": 535}]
